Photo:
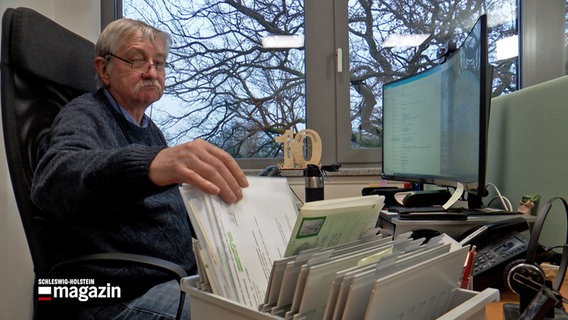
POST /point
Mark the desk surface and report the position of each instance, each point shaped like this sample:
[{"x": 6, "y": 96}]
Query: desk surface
[{"x": 494, "y": 310}]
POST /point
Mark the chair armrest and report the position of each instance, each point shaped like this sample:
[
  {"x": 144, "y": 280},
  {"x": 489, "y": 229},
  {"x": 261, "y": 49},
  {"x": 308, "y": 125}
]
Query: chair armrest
[{"x": 153, "y": 262}]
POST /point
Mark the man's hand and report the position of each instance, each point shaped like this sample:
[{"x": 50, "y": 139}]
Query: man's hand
[{"x": 202, "y": 165}]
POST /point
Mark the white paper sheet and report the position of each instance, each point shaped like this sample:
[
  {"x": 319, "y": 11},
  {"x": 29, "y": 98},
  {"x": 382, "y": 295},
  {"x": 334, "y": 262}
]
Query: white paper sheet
[{"x": 263, "y": 220}]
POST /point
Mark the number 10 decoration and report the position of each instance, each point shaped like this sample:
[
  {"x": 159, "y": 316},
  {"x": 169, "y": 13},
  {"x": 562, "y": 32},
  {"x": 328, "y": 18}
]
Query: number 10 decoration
[{"x": 294, "y": 147}]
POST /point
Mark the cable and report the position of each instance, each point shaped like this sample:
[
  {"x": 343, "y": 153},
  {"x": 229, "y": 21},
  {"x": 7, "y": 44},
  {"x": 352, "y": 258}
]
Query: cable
[
  {"x": 296, "y": 195},
  {"x": 504, "y": 201}
]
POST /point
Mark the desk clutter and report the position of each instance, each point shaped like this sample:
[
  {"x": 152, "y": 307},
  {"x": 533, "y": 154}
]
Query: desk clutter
[
  {"x": 539, "y": 295},
  {"x": 238, "y": 243},
  {"x": 261, "y": 259},
  {"x": 338, "y": 259},
  {"x": 371, "y": 278},
  {"x": 329, "y": 262}
]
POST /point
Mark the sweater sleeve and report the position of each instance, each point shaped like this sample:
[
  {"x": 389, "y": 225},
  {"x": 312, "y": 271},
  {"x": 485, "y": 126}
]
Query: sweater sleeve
[{"x": 89, "y": 166}]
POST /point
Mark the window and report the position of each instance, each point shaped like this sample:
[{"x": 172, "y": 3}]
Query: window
[
  {"x": 224, "y": 87},
  {"x": 387, "y": 42}
]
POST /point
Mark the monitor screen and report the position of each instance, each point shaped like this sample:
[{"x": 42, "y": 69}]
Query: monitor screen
[{"x": 435, "y": 122}]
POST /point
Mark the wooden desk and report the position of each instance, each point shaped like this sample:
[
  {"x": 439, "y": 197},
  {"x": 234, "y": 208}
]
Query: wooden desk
[{"x": 494, "y": 310}]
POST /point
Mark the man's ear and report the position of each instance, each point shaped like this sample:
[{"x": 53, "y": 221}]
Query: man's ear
[{"x": 101, "y": 66}]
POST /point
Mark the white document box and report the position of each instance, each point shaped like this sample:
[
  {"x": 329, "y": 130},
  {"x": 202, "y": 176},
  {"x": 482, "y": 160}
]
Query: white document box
[{"x": 466, "y": 304}]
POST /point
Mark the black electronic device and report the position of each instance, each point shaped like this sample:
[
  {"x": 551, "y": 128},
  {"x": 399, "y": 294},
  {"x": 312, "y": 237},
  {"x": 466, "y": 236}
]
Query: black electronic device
[
  {"x": 491, "y": 260},
  {"x": 432, "y": 215},
  {"x": 435, "y": 122},
  {"x": 498, "y": 244},
  {"x": 426, "y": 198}
]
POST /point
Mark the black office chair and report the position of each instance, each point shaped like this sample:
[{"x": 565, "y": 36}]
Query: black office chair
[{"x": 43, "y": 66}]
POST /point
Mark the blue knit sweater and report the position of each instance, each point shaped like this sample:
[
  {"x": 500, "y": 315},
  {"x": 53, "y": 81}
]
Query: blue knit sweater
[{"x": 92, "y": 183}]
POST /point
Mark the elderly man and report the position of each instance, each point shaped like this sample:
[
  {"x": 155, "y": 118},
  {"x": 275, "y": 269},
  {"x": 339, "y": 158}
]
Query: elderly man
[{"x": 109, "y": 181}]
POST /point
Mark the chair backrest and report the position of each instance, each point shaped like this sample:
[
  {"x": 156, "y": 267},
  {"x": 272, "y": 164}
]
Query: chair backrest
[{"x": 43, "y": 66}]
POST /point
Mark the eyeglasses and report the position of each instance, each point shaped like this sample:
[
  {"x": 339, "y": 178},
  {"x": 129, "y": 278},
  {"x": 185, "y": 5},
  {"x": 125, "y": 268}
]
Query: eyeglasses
[{"x": 140, "y": 65}]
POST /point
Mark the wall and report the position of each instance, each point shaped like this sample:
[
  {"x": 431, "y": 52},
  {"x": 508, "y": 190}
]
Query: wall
[
  {"x": 543, "y": 45},
  {"x": 527, "y": 150},
  {"x": 16, "y": 278}
]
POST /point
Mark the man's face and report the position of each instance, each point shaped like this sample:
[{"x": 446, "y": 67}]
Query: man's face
[{"x": 135, "y": 89}]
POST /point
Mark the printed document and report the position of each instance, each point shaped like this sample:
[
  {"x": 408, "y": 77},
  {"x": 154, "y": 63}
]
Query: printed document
[{"x": 242, "y": 240}]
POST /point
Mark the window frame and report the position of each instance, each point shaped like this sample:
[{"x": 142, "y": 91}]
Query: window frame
[
  {"x": 327, "y": 90},
  {"x": 345, "y": 154}
]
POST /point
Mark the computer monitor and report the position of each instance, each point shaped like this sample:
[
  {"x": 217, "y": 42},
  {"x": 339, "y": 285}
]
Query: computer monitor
[{"x": 435, "y": 122}]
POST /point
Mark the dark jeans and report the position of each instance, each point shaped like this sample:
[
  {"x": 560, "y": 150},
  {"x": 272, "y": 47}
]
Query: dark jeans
[{"x": 159, "y": 303}]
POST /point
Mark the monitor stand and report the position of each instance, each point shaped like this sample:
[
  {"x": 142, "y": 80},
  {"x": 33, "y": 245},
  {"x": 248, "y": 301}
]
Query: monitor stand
[{"x": 474, "y": 200}]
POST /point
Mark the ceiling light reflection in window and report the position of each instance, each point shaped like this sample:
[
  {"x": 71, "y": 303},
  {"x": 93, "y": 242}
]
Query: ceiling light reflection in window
[{"x": 404, "y": 40}]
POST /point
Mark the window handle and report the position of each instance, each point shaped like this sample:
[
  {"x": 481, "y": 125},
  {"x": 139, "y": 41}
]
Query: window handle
[{"x": 339, "y": 55}]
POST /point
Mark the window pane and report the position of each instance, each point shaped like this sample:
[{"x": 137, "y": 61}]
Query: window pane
[
  {"x": 221, "y": 84},
  {"x": 425, "y": 29}
]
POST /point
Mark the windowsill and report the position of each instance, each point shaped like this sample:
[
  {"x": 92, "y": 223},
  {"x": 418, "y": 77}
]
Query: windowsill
[{"x": 343, "y": 172}]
